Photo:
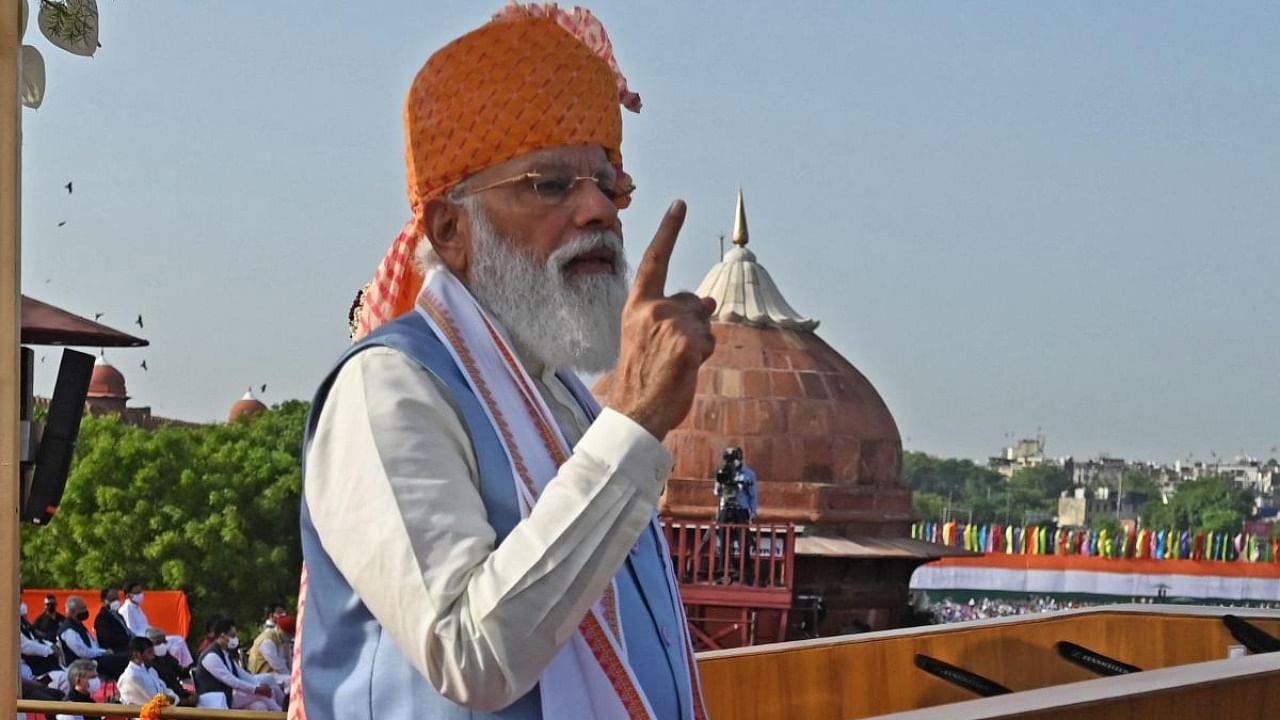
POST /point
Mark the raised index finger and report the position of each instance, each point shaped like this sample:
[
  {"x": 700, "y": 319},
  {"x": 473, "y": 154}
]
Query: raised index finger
[{"x": 651, "y": 275}]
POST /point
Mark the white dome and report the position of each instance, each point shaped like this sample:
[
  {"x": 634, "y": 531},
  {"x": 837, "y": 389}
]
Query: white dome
[{"x": 743, "y": 290}]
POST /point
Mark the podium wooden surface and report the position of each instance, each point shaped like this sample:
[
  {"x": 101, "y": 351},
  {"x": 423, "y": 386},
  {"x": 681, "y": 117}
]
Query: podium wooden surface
[{"x": 873, "y": 674}]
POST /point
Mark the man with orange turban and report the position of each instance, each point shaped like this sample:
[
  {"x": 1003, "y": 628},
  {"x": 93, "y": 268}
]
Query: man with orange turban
[{"x": 480, "y": 536}]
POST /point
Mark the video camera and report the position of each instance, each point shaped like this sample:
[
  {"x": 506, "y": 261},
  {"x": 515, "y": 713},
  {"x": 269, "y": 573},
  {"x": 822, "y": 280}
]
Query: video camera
[{"x": 727, "y": 478}]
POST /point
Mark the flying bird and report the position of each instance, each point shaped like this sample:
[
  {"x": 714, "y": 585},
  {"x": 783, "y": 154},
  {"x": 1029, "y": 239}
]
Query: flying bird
[
  {"x": 98, "y": 316},
  {"x": 144, "y": 364},
  {"x": 264, "y": 388},
  {"x": 68, "y": 187},
  {"x": 139, "y": 320},
  {"x": 64, "y": 222}
]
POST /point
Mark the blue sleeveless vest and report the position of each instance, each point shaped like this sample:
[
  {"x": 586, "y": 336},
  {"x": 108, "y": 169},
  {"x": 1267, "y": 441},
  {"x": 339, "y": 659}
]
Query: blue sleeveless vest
[{"x": 352, "y": 671}]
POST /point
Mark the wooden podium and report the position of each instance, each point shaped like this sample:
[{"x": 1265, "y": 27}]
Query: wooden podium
[{"x": 1183, "y": 652}]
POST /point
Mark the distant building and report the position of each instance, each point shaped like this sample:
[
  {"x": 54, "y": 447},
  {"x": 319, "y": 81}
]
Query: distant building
[
  {"x": 1027, "y": 452},
  {"x": 1084, "y": 507},
  {"x": 246, "y": 406},
  {"x": 109, "y": 395},
  {"x": 1102, "y": 471}
]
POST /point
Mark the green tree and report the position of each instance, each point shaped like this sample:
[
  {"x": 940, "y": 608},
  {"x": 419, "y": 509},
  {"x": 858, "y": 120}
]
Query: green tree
[
  {"x": 928, "y": 505},
  {"x": 1108, "y": 523},
  {"x": 1139, "y": 486},
  {"x": 961, "y": 485},
  {"x": 1214, "y": 503},
  {"x": 1046, "y": 482},
  {"x": 211, "y": 510}
]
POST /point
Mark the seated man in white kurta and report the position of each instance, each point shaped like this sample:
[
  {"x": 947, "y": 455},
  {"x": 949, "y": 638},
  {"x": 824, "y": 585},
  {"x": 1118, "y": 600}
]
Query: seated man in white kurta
[{"x": 138, "y": 684}]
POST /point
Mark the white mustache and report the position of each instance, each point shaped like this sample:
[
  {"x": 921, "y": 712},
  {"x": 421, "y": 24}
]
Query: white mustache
[{"x": 585, "y": 243}]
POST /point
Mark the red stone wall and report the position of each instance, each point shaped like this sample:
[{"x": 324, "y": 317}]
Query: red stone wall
[
  {"x": 822, "y": 441},
  {"x": 872, "y": 591}
]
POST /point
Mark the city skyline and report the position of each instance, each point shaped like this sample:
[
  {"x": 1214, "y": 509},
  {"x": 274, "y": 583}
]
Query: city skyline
[{"x": 1007, "y": 217}]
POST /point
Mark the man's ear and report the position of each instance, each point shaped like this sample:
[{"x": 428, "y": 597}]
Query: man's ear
[{"x": 448, "y": 232}]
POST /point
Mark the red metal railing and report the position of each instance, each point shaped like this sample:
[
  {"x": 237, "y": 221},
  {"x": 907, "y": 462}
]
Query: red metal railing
[{"x": 735, "y": 580}]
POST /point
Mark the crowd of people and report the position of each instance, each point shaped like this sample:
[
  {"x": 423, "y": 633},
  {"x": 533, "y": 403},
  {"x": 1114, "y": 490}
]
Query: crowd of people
[
  {"x": 949, "y": 610},
  {"x": 120, "y": 657}
]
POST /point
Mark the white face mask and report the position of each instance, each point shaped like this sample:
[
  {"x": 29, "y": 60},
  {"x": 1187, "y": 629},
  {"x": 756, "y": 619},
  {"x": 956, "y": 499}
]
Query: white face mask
[
  {"x": 162, "y": 650},
  {"x": 95, "y": 685},
  {"x": 233, "y": 643},
  {"x": 114, "y": 605},
  {"x": 22, "y": 609},
  {"x": 136, "y": 598}
]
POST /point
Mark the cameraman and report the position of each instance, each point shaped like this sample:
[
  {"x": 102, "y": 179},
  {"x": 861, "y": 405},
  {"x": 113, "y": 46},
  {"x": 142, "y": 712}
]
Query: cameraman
[{"x": 736, "y": 488}]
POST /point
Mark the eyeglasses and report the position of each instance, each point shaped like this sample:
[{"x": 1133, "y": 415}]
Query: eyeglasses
[{"x": 555, "y": 189}]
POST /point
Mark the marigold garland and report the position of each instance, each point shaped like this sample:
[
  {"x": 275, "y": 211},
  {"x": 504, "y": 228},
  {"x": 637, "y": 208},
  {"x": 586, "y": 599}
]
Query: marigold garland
[{"x": 151, "y": 711}]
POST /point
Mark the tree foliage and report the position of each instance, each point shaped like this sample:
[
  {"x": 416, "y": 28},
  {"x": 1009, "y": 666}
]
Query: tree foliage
[
  {"x": 1140, "y": 486},
  {"x": 211, "y": 510},
  {"x": 969, "y": 491},
  {"x": 1045, "y": 482},
  {"x": 1214, "y": 504}
]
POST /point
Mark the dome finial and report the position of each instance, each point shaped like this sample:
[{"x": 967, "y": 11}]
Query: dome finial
[
  {"x": 744, "y": 292},
  {"x": 740, "y": 223}
]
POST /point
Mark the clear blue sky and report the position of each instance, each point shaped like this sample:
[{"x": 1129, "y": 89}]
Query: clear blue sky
[{"x": 1009, "y": 216}]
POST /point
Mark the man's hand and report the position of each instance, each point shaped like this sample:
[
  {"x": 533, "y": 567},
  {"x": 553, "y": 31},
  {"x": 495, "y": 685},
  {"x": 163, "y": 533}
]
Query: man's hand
[
  {"x": 264, "y": 690},
  {"x": 665, "y": 339}
]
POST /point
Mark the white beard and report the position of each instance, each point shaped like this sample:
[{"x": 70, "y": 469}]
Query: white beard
[{"x": 555, "y": 319}]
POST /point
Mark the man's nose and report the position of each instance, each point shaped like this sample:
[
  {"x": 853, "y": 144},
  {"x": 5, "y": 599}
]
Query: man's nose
[{"x": 592, "y": 208}]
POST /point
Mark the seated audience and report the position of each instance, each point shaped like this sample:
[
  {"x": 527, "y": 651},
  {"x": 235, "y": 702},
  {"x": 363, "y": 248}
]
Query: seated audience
[
  {"x": 77, "y": 643},
  {"x": 272, "y": 650},
  {"x": 221, "y": 682},
  {"x": 168, "y": 668},
  {"x": 50, "y": 621},
  {"x": 208, "y": 634},
  {"x": 274, "y": 610},
  {"x": 82, "y": 676},
  {"x": 139, "y": 682},
  {"x": 112, "y": 633},
  {"x": 132, "y": 613},
  {"x": 40, "y": 655}
]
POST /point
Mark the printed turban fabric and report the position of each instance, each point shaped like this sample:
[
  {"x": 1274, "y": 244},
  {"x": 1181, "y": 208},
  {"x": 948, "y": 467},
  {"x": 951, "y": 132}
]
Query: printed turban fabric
[{"x": 534, "y": 77}]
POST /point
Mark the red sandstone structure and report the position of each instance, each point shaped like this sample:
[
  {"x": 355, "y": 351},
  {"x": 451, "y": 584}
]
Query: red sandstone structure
[
  {"x": 247, "y": 406},
  {"x": 828, "y": 456}
]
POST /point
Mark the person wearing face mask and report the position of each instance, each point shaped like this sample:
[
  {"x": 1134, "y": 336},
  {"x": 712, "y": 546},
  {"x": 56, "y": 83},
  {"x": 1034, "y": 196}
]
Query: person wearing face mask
[
  {"x": 274, "y": 610},
  {"x": 78, "y": 644},
  {"x": 50, "y": 621},
  {"x": 112, "y": 633},
  {"x": 270, "y": 653},
  {"x": 140, "y": 682},
  {"x": 40, "y": 655},
  {"x": 222, "y": 683},
  {"x": 38, "y": 666},
  {"x": 167, "y": 667},
  {"x": 132, "y": 613},
  {"x": 82, "y": 676}
]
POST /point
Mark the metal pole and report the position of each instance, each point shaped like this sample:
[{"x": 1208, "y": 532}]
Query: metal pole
[{"x": 10, "y": 331}]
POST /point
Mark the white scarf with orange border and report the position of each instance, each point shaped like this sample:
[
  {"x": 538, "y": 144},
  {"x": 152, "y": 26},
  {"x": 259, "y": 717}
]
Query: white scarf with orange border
[{"x": 590, "y": 676}]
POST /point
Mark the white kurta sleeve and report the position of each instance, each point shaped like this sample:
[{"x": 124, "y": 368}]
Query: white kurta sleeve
[
  {"x": 132, "y": 686},
  {"x": 78, "y": 646},
  {"x": 391, "y": 468},
  {"x": 271, "y": 653},
  {"x": 135, "y": 619},
  {"x": 34, "y": 648}
]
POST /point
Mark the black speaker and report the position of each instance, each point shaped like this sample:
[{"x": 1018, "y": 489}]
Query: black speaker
[{"x": 58, "y": 442}]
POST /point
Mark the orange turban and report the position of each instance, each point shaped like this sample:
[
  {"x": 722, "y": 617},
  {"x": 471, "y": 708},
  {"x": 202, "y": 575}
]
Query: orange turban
[{"x": 534, "y": 77}]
